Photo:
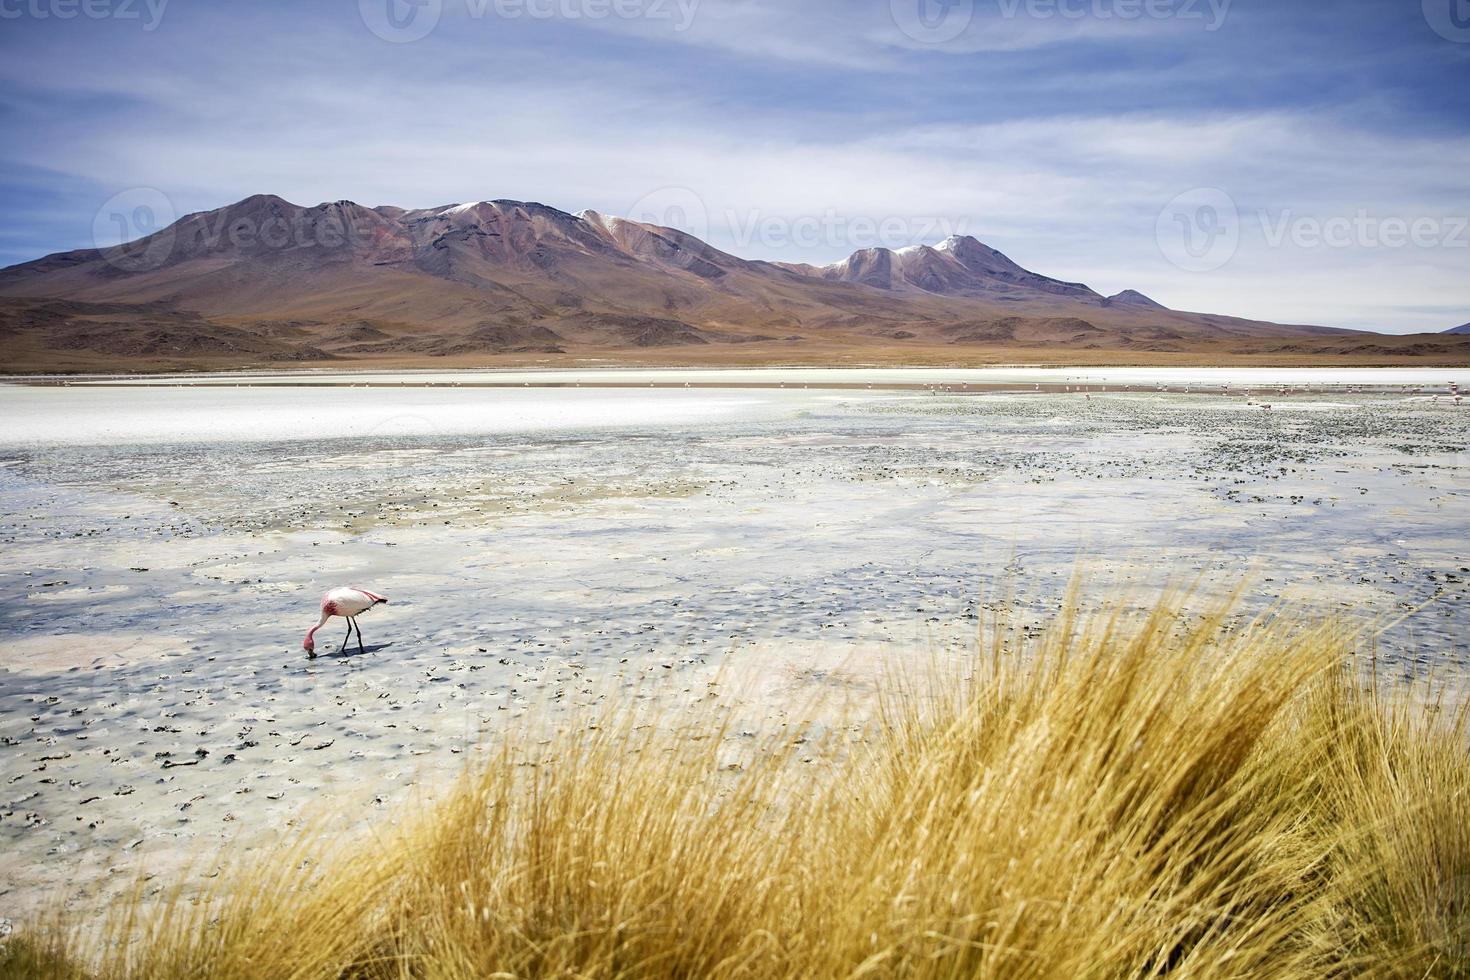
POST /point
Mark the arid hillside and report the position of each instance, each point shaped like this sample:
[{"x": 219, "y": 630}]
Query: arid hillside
[{"x": 267, "y": 282}]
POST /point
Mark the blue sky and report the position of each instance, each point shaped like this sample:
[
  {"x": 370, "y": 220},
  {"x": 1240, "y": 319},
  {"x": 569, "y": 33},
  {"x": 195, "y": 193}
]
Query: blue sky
[{"x": 1296, "y": 161}]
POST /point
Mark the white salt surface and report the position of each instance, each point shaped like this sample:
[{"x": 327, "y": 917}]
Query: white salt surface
[{"x": 82, "y": 415}]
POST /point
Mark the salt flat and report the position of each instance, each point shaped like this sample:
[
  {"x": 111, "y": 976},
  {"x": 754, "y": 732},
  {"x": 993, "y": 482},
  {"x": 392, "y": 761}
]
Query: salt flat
[{"x": 164, "y": 549}]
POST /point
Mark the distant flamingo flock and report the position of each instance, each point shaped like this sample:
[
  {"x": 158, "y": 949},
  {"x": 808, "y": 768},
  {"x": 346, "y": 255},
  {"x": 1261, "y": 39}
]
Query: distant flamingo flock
[{"x": 349, "y": 603}]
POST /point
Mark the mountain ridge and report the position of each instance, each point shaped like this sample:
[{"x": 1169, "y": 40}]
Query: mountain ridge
[{"x": 275, "y": 281}]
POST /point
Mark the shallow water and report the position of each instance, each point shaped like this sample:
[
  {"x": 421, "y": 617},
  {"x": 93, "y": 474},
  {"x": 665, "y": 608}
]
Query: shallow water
[{"x": 165, "y": 548}]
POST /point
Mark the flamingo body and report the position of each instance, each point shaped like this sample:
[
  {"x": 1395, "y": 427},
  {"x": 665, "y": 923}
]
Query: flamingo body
[{"x": 349, "y": 603}]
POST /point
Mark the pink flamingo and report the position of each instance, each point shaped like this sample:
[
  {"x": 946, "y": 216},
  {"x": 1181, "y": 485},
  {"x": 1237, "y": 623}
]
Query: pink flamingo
[{"x": 349, "y": 604}]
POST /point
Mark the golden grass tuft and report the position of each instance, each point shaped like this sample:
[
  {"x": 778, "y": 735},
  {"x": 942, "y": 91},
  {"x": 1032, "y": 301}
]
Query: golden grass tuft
[{"x": 1122, "y": 797}]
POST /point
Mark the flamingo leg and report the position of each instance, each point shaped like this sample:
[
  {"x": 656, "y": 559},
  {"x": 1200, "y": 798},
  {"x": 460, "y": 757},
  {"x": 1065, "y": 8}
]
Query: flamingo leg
[
  {"x": 357, "y": 627},
  {"x": 348, "y": 636}
]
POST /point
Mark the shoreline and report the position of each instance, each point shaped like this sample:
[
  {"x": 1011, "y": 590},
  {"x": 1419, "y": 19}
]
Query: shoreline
[
  {"x": 1006, "y": 378},
  {"x": 1396, "y": 351}
]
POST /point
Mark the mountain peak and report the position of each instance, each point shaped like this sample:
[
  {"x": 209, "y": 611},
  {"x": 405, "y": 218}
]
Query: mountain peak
[
  {"x": 1132, "y": 297},
  {"x": 259, "y": 199},
  {"x": 972, "y": 252},
  {"x": 959, "y": 266},
  {"x": 608, "y": 223},
  {"x": 462, "y": 208},
  {"x": 1463, "y": 328}
]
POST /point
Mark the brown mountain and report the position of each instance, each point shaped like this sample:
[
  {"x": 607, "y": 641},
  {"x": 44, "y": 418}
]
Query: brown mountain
[
  {"x": 959, "y": 266},
  {"x": 266, "y": 281},
  {"x": 1132, "y": 297}
]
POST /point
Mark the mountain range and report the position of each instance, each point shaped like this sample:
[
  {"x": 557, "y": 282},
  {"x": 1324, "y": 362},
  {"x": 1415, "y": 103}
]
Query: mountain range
[{"x": 268, "y": 281}]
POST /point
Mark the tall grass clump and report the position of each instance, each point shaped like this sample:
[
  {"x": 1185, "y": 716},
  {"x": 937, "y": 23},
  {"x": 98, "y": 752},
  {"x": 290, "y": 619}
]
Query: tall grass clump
[{"x": 1120, "y": 797}]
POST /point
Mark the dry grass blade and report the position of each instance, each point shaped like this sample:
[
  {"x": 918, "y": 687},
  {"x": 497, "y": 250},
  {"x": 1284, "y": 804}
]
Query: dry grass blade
[{"x": 1123, "y": 796}]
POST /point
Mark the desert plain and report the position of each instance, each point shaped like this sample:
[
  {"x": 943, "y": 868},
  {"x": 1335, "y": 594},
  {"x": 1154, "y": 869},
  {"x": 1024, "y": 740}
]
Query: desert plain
[{"x": 550, "y": 539}]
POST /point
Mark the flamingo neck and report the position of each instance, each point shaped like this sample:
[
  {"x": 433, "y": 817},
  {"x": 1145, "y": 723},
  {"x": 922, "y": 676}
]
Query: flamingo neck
[{"x": 311, "y": 632}]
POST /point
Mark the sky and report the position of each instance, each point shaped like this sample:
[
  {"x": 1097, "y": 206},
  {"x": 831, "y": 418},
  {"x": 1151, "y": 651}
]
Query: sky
[{"x": 1303, "y": 161}]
